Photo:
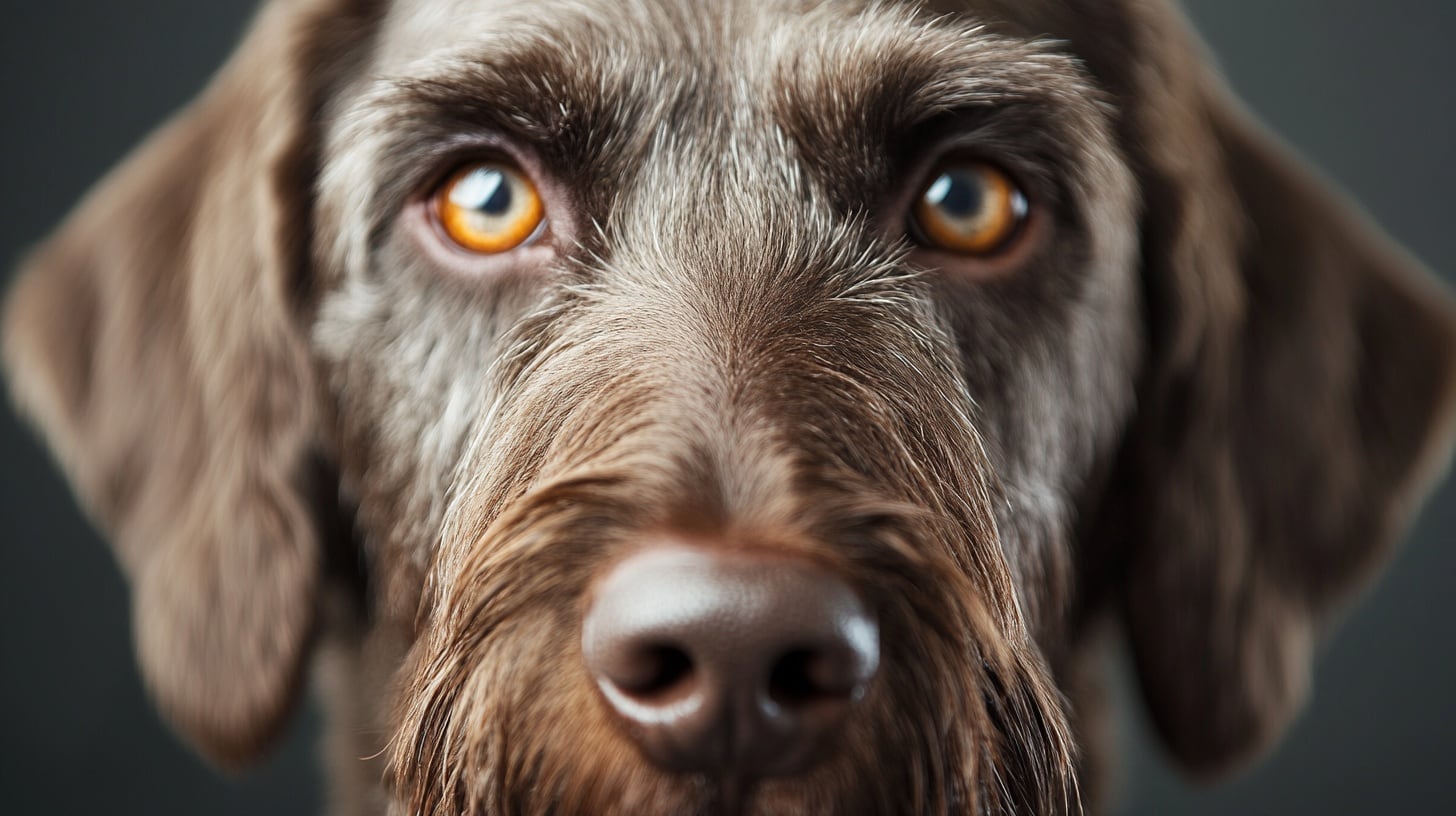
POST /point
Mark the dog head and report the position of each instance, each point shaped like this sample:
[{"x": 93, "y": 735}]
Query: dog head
[{"x": 994, "y": 318}]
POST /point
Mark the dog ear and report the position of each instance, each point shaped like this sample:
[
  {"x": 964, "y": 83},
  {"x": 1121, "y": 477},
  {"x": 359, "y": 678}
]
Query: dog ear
[
  {"x": 1297, "y": 403},
  {"x": 155, "y": 342}
]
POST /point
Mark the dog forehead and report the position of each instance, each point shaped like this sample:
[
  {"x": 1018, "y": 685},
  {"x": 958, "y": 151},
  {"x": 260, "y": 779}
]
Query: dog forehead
[
  {"x": 416, "y": 28},
  {"x": 753, "y": 44}
]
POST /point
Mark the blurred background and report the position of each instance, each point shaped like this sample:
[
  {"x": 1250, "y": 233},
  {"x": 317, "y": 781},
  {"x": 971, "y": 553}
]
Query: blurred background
[{"x": 1365, "y": 90}]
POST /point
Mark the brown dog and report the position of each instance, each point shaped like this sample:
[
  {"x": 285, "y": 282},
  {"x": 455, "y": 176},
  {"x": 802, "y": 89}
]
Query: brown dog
[{"x": 676, "y": 407}]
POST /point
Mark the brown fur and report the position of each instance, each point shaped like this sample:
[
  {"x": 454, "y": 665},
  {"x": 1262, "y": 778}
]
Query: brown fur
[{"x": 1204, "y": 400}]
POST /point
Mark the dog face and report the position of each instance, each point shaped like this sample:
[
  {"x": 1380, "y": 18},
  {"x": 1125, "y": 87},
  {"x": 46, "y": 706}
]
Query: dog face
[
  {"x": 725, "y": 333},
  {"x": 738, "y": 310}
]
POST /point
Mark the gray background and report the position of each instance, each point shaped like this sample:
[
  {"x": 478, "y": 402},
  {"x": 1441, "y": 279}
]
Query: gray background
[{"x": 1364, "y": 89}]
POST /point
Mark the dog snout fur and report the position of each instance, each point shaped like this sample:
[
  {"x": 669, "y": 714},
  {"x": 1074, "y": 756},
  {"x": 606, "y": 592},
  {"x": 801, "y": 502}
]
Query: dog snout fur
[{"x": 743, "y": 413}]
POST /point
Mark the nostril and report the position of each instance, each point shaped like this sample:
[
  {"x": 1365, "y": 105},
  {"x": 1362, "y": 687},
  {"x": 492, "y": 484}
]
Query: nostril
[
  {"x": 659, "y": 672},
  {"x": 791, "y": 682},
  {"x": 806, "y": 676}
]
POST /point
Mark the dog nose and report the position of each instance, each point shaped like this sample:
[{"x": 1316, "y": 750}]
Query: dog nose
[{"x": 741, "y": 664}]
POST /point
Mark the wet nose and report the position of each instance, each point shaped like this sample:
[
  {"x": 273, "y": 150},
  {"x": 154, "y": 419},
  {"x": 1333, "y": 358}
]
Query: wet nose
[{"x": 732, "y": 662}]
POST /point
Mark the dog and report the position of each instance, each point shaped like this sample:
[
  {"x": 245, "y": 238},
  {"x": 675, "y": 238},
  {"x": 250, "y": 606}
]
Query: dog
[{"x": 737, "y": 407}]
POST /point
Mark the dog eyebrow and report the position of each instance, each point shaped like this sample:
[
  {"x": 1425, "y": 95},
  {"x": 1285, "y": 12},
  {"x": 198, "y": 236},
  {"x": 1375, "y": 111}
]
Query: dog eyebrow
[
  {"x": 530, "y": 104},
  {"x": 890, "y": 82},
  {"x": 528, "y": 85}
]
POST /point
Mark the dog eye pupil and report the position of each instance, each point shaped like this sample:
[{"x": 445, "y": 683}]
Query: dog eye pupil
[
  {"x": 969, "y": 208},
  {"x": 956, "y": 193},
  {"x": 485, "y": 190},
  {"x": 488, "y": 208}
]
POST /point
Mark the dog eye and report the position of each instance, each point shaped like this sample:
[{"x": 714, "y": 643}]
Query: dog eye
[
  {"x": 489, "y": 207},
  {"x": 968, "y": 207}
]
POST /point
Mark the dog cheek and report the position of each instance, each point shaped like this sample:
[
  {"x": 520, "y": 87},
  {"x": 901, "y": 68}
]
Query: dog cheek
[{"x": 410, "y": 373}]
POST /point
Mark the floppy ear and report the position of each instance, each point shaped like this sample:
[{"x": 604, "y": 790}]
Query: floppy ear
[
  {"x": 155, "y": 341},
  {"x": 1298, "y": 407},
  {"x": 1298, "y": 401}
]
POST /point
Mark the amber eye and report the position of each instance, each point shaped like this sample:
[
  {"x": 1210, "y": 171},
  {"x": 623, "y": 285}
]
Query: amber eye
[
  {"x": 489, "y": 207},
  {"x": 968, "y": 207}
]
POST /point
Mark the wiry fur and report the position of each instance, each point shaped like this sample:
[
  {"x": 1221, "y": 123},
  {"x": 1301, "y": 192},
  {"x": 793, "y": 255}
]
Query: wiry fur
[{"x": 1202, "y": 397}]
